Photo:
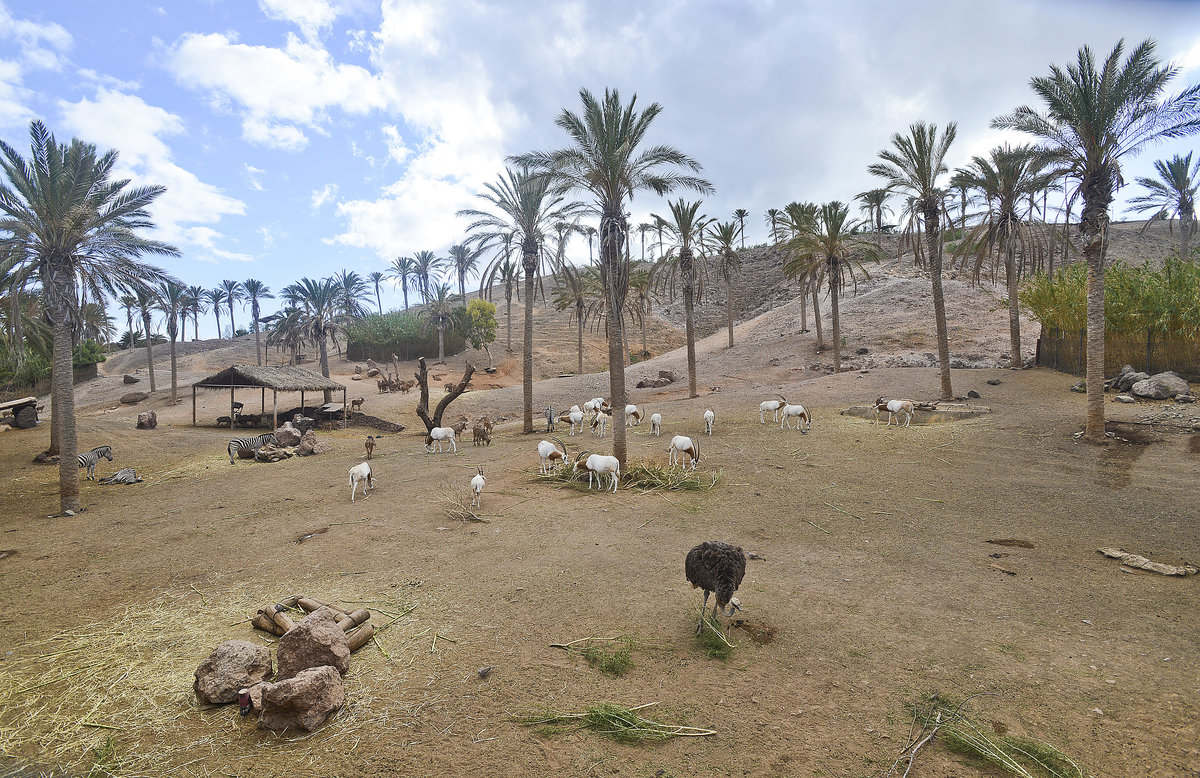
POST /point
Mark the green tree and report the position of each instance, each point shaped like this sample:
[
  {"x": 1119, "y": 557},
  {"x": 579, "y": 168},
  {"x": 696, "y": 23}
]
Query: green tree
[
  {"x": 522, "y": 210},
  {"x": 404, "y": 270},
  {"x": 376, "y": 278},
  {"x": 172, "y": 301},
  {"x": 195, "y": 306},
  {"x": 1171, "y": 195},
  {"x": 255, "y": 292},
  {"x": 440, "y": 310},
  {"x": 233, "y": 294},
  {"x": 576, "y": 287},
  {"x": 640, "y": 284},
  {"x": 678, "y": 269},
  {"x": 795, "y": 220},
  {"x": 824, "y": 249},
  {"x": 740, "y": 214},
  {"x": 607, "y": 160},
  {"x": 463, "y": 261},
  {"x": 319, "y": 319},
  {"x": 913, "y": 165},
  {"x": 874, "y": 204},
  {"x": 729, "y": 264},
  {"x": 147, "y": 302},
  {"x": 508, "y": 273},
  {"x": 428, "y": 267},
  {"x": 129, "y": 302},
  {"x": 215, "y": 298},
  {"x": 1093, "y": 117},
  {"x": 772, "y": 218},
  {"x": 481, "y": 326}
]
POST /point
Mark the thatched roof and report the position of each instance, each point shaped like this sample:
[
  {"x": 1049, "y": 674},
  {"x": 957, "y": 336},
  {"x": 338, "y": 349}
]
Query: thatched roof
[{"x": 284, "y": 379}]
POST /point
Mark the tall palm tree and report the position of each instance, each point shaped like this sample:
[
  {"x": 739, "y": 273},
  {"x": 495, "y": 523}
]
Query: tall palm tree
[
  {"x": 1094, "y": 117},
  {"x": 678, "y": 269},
  {"x": 824, "y": 249},
  {"x": 772, "y": 218},
  {"x": 740, "y": 214},
  {"x": 427, "y": 267},
  {"x": 256, "y": 291},
  {"x": 95, "y": 323},
  {"x": 172, "y": 301},
  {"x": 147, "y": 303},
  {"x": 404, "y": 270},
  {"x": 728, "y": 264},
  {"x": 215, "y": 298},
  {"x": 874, "y": 204},
  {"x": 522, "y": 209},
  {"x": 795, "y": 220},
  {"x": 913, "y": 165},
  {"x": 440, "y": 309},
  {"x": 196, "y": 307},
  {"x": 463, "y": 260},
  {"x": 65, "y": 221},
  {"x": 640, "y": 284},
  {"x": 508, "y": 273},
  {"x": 1005, "y": 180},
  {"x": 642, "y": 229},
  {"x": 129, "y": 302},
  {"x": 576, "y": 287},
  {"x": 233, "y": 294},
  {"x": 590, "y": 234},
  {"x": 1172, "y": 195},
  {"x": 352, "y": 290},
  {"x": 604, "y": 161},
  {"x": 376, "y": 278},
  {"x": 319, "y": 319},
  {"x": 286, "y": 331}
]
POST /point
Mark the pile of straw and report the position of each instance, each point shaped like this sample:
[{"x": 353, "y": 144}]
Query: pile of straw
[
  {"x": 643, "y": 476},
  {"x": 622, "y": 724}
]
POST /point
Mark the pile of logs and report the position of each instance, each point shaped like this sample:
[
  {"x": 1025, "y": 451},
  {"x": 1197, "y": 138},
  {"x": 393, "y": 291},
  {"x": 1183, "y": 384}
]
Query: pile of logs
[{"x": 275, "y": 620}]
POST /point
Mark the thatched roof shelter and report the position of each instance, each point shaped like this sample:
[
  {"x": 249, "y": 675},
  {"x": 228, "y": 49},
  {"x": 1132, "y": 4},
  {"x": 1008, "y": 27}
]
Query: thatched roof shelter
[{"x": 284, "y": 378}]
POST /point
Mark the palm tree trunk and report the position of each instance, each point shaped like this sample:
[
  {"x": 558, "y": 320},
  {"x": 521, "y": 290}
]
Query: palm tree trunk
[
  {"x": 689, "y": 322},
  {"x": 174, "y": 375},
  {"x": 404, "y": 288},
  {"x": 378, "y": 302},
  {"x": 441, "y": 344},
  {"x": 816, "y": 303},
  {"x": 529, "y": 258},
  {"x": 834, "y": 314},
  {"x": 933, "y": 238},
  {"x": 257, "y": 341},
  {"x": 323, "y": 350},
  {"x": 803, "y": 311},
  {"x": 232, "y": 324},
  {"x": 645, "y": 315},
  {"x": 1097, "y": 194},
  {"x": 149, "y": 350},
  {"x": 217, "y": 315},
  {"x": 579, "y": 316},
  {"x": 729, "y": 309},
  {"x": 62, "y": 282},
  {"x": 612, "y": 233},
  {"x": 1014, "y": 313},
  {"x": 508, "y": 318}
]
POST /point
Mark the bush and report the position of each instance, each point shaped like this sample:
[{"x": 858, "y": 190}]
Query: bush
[
  {"x": 399, "y": 332},
  {"x": 89, "y": 353}
]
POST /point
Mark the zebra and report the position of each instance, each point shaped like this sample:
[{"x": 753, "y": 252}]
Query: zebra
[
  {"x": 90, "y": 459},
  {"x": 251, "y": 444},
  {"x": 125, "y": 475},
  {"x": 549, "y": 418}
]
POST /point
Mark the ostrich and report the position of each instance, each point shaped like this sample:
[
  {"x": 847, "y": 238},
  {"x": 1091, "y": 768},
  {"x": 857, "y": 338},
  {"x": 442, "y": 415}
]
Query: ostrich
[{"x": 715, "y": 566}]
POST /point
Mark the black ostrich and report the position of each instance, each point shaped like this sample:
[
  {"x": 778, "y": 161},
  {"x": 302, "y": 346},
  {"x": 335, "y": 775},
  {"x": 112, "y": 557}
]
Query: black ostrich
[{"x": 718, "y": 567}]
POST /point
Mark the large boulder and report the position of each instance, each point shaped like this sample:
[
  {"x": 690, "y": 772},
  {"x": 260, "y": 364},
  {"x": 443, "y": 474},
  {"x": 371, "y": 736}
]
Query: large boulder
[
  {"x": 288, "y": 435},
  {"x": 309, "y": 445},
  {"x": 130, "y": 379},
  {"x": 134, "y": 397},
  {"x": 316, "y": 641},
  {"x": 233, "y": 665},
  {"x": 271, "y": 453},
  {"x": 1160, "y": 386},
  {"x": 1127, "y": 378},
  {"x": 147, "y": 420},
  {"x": 302, "y": 702}
]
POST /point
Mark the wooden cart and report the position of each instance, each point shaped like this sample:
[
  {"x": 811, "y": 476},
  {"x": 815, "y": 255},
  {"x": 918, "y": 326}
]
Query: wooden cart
[{"x": 24, "y": 412}]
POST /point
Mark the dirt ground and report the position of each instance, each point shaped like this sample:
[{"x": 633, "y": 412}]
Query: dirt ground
[{"x": 877, "y": 577}]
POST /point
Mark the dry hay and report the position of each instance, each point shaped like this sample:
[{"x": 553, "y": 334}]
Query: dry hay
[
  {"x": 622, "y": 724},
  {"x": 644, "y": 476},
  {"x": 115, "y": 696}
]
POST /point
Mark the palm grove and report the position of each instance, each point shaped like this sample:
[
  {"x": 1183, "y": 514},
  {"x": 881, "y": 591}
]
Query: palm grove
[{"x": 73, "y": 240}]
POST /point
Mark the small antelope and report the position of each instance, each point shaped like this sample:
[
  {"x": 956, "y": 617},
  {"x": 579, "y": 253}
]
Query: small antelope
[
  {"x": 477, "y": 484},
  {"x": 598, "y": 465},
  {"x": 357, "y": 403},
  {"x": 709, "y": 419},
  {"x": 893, "y": 409},
  {"x": 370, "y": 445},
  {"x": 656, "y": 424},
  {"x": 633, "y": 416},
  {"x": 685, "y": 446},
  {"x": 360, "y": 473},
  {"x": 797, "y": 412},
  {"x": 439, "y": 434},
  {"x": 575, "y": 419},
  {"x": 770, "y": 405},
  {"x": 549, "y": 455},
  {"x": 600, "y": 422}
]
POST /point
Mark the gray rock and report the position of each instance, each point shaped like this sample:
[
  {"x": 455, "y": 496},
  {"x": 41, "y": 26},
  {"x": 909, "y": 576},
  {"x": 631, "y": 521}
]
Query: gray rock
[
  {"x": 1184, "y": 398},
  {"x": 862, "y": 350},
  {"x": 1125, "y": 381},
  {"x": 130, "y": 379},
  {"x": 1160, "y": 387},
  {"x": 147, "y": 420},
  {"x": 314, "y": 642},
  {"x": 1124, "y": 398},
  {"x": 302, "y": 702},
  {"x": 309, "y": 445},
  {"x": 994, "y": 382},
  {"x": 233, "y": 665},
  {"x": 1173, "y": 381},
  {"x": 134, "y": 397},
  {"x": 974, "y": 395},
  {"x": 667, "y": 375},
  {"x": 271, "y": 453},
  {"x": 287, "y": 435}
]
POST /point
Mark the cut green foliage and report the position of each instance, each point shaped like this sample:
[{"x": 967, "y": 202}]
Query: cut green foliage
[
  {"x": 643, "y": 476},
  {"x": 610, "y": 660},
  {"x": 622, "y": 724},
  {"x": 712, "y": 639}
]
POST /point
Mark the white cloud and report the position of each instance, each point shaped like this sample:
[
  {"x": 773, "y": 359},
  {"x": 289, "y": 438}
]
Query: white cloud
[
  {"x": 13, "y": 96},
  {"x": 39, "y": 45},
  {"x": 101, "y": 79},
  {"x": 323, "y": 195},
  {"x": 397, "y": 150},
  {"x": 279, "y": 92},
  {"x": 254, "y": 177},
  {"x": 311, "y": 16},
  {"x": 137, "y": 130}
]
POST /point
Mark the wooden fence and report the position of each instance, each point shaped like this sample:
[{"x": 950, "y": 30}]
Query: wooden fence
[{"x": 1067, "y": 351}]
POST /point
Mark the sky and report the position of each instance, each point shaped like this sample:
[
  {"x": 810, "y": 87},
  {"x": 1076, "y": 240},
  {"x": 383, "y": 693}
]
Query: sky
[{"x": 302, "y": 137}]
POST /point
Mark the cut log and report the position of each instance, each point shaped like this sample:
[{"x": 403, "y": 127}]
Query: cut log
[
  {"x": 262, "y": 620},
  {"x": 280, "y": 617},
  {"x": 359, "y": 637}
]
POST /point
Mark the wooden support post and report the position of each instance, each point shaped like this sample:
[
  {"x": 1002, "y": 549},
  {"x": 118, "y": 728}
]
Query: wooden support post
[
  {"x": 275, "y": 409},
  {"x": 232, "y": 400},
  {"x": 301, "y": 401},
  {"x": 262, "y": 402},
  {"x": 345, "y": 418},
  {"x": 193, "y": 405}
]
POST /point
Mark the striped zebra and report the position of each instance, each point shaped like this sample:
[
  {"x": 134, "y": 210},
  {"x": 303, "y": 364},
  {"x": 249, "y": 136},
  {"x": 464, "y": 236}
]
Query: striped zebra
[
  {"x": 90, "y": 459},
  {"x": 125, "y": 475},
  {"x": 249, "y": 444},
  {"x": 549, "y": 418}
]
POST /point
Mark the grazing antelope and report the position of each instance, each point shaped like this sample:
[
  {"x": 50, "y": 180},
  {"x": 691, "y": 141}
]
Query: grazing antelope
[
  {"x": 633, "y": 416},
  {"x": 477, "y": 484},
  {"x": 771, "y": 405},
  {"x": 370, "y": 445},
  {"x": 797, "y": 412},
  {"x": 549, "y": 455},
  {"x": 656, "y": 424},
  {"x": 360, "y": 473},
  {"x": 599, "y": 465},
  {"x": 439, "y": 434},
  {"x": 893, "y": 409},
  {"x": 683, "y": 446},
  {"x": 600, "y": 424},
  {"x": 709, "y": 419}
]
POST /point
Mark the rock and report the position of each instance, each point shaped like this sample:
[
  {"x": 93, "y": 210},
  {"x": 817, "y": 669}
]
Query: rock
[
  {"x": 303, "y": 701},
  {"x": 130, "y": 379},
  {"x": 1080, "y": 387},
  {"x": 974, "y": 395},
  {"x": 862, "y": 350},
  {"x": 372, "y": 364},
  {"x": 232, "y": 666},
  {"x": 1124, "y": 381},
  {"x": 271, "y": 453},
  {"x": 356, "y": 377},
  {"x": 1160, "y": 387},
  {"x": 1173, "y": 381},
  {"x": 358, "y": 370},
  {"x": 1184, "y": 398},
  {"x": 1124, "y": 398},
  {"x": 310, "y": 445},
  {"x": 373, "y": 373},
  {"x": 147, "y": 420},
  {"x": 303, "y": 423},
  {"x": 287, "y": 435},
  {"x": 994, "y": 382},
  {"x": 314, "y": 642},
  {"x": 322, "y": 447},
  {"x": 667, "y": 375},
  {"x": 134, "y": 397}
]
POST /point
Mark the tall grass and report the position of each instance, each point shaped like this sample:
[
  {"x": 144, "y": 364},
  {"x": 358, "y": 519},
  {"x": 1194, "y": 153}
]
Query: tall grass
[{"x": 399, "y": 332}]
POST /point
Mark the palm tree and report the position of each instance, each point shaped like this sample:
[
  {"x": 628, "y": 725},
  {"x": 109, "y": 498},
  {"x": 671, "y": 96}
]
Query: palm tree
[
  {"x": 642, "y": 229},
  {"x": 824, "y": 249},
  {"x": 914, "y": 165},
  {"x": 1093, "y": 118},
  {"x": 740, "y": 214},
  {"x": 874, "y": 204},
  {"x": 376, "y": 278},
  {"x": 678, "y": 269},
  {"x": 576, "y": 287},
  {"x": 404, "y": 270},
  {"x": 352, "y": 290},
  {"x": 797, "y": 219},
  {"x": 286, "y": 331},
  {"x": 462, "y": 261},
  {"x": 508, "y": 273},
  {"x": 319, "y": 319},
  {"x": 233, "y": 294},
  {"x": 728, "y": 264},
  {"x": 772, "y": 218},
  {"x": 427, "y": 267},
  {"x": 255, "y": 292},
  {"x": 522, "y": 210},
  {"x": 640, "y": 284},
  {"x": 65, "y": 221},
  {"x": 441, "y": 309},
  {"x": 95, "y": 323},
  {"x": 1172, "y": 194},
  {"x": 590, "y": 234},
  {"x": 195, "y": 305},
  {"x": 605, "y": 162},
  {"x": 215, "y": 298},
  {"x": 172, "y": 301},
  {"x": 1005, "y": 179},
  {"x": 129, "y": 302},
  {"x": 147, "y": 302}
]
